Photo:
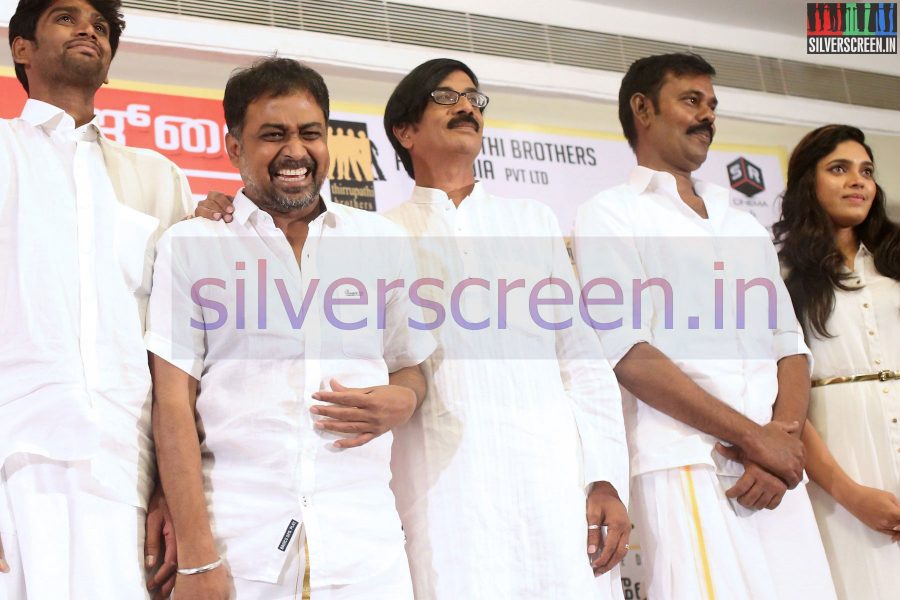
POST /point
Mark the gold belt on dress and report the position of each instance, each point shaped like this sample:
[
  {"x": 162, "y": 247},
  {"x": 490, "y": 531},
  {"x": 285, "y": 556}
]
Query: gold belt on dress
[{"x": 880, "y": 376}]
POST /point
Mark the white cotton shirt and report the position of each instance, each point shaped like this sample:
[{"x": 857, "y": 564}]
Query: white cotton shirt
[
  {"x": 264, "y": 463},
  {"x": 490, "y": 472},
  {"x": 75, "y": 275},
  {"x": 642, "y": 232}
]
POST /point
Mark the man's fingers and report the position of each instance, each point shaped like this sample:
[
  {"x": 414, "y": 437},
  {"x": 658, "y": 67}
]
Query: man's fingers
[
  {"x": 740, "y": 488},
  {"x": 4, "y": 566},
  {"x": 593, "y": 540},
  {"x": 792, "y": 427},
  {"x": 342, "y": 413},
  {"x": 619, "y": 554},
  {"x": 164, "y": 576},
  {"x": 355, "y": 442},
  {"x": 775, "y": 501},
  {"x": 729, "y": 452},
  {"x": 604, "y": 562},
  {"x": 752, "y": 496},
  {"x": 355, "y": 427},
  {"x": 349, "y": 398},
  {"x": 152, "y": 538},
  {"x": 212, "y": 213}
]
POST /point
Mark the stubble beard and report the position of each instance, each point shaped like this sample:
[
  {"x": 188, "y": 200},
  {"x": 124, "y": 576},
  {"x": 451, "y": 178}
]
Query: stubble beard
[{"x": 270, "y": 199}]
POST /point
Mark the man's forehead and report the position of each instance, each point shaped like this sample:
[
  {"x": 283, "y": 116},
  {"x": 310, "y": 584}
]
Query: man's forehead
[
  {"x": 72, "y": 6},
  {"x": 697, "y": 82},
  {"x": 458, "y": 78},
  {"x": 291, "y": 109}
]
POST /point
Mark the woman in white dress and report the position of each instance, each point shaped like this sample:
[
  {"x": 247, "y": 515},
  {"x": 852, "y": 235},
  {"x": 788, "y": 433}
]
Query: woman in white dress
[{"x": 842, "y": 260}]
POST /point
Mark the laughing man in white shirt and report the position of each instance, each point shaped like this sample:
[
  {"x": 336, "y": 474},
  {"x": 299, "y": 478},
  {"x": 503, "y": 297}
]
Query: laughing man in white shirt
[
  {"x": 274, "y": 332},
  {"x": 79, "y": 216},
  {"x": 718, "y": 404}
]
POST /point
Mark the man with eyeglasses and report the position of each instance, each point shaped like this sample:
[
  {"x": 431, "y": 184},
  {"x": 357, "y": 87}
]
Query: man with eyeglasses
[{"x": 506, "y": 474}]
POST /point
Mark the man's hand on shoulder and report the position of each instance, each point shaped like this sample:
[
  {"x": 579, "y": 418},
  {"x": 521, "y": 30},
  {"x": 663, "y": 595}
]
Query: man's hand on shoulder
[
  {"x": 215, "y": 207},
  {"x": 604, "y": 508},
  {"x": 364, "y": 413}
]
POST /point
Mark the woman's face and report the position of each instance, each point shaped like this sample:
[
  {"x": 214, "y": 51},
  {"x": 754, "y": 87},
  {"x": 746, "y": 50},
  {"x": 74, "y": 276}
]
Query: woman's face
[{"x": 845, "y": 184}]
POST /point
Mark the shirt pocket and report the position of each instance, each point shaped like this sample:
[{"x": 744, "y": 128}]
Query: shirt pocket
[{"x": 357, "y": 325}]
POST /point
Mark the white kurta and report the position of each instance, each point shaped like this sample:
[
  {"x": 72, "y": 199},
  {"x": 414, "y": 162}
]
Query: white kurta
[
  {"x": 859, "y": 423},
  {"x": 728, "y": 340},
  {"x": 489, "y": 474}
]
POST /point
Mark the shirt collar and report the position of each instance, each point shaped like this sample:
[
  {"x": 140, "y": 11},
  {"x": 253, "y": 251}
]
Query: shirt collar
[
  {"x": 424, "y": 195},
  {"x": 715, "y": 197},
  {"x": 245, "y": 209},
  {"x": 52, "y": 118}
]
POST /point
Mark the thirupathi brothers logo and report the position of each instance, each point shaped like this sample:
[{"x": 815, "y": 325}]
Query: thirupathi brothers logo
[
  {"x": 851, "y": 28},
  {"x": 354, "y": 164}
]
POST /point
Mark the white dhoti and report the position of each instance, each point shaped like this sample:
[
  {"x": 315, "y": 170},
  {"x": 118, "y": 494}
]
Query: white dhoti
[
  {"x": 63, "y": 537},
  {"x": 393, "y": 583},
  {"x": 696, "y": 547}
]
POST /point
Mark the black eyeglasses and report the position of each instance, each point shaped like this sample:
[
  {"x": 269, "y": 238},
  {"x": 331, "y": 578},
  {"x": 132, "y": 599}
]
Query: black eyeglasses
[{"x": 448, "y": 97}]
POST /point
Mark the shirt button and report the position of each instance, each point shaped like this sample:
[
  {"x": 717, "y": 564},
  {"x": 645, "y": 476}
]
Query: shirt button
[
  {"x": 866, "y": 305},
  {"x": 886, "y": 390},
  {"x": 871, "y": 332},
  {"x": 894, "y": 420},
  {"x": 877, "y": 361}
]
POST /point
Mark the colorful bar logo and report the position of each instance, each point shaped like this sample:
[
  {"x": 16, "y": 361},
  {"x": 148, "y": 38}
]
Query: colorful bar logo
[{"x": 851, "y": 28}]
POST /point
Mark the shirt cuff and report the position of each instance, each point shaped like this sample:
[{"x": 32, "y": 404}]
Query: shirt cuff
[
  {"x": 178, "y": 356},
  {"x": 790, "y": 343}
]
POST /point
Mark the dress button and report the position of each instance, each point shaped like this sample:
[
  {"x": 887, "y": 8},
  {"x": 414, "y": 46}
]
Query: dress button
[
  {"x": 877, "y": 361},
  {"x": 871, "y": 332},
  {"x": 866, "y": 305},
  {"x": 894, "y": 420},
  {"x": 886, "y": 390}
]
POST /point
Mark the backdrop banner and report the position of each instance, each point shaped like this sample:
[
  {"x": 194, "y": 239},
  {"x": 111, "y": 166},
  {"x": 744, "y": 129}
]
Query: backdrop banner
[{"x": 561, "y": 168}]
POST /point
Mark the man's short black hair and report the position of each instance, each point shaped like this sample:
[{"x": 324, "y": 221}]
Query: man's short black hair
[
  {"x": 411, "y": 96},
  {"x": 270, "y": 77},
  {"x": 23, "y": 24},
  {"x": 646, "y": 76}
]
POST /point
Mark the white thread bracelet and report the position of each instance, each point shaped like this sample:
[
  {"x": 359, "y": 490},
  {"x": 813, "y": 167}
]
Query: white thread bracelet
[{"x": 197, "y": 570}]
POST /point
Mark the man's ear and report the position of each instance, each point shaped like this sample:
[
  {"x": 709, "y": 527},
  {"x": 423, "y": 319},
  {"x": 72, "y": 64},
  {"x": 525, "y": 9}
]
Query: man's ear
[
  {"x": 21, "y": 51},
  {"x": 642, "y": 107},
  {"x": 233, "y": 147},
  {"x": 403, "y": 133}
]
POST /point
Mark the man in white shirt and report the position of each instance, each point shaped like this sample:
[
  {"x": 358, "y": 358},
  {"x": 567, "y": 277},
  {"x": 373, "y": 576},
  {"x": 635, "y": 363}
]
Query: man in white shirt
[
  {"x": 718, "y": 384},
  {"x": 279, "y": 333},
  {"x": 79, "y": 215},
  {"x": 509, "y": 469}
]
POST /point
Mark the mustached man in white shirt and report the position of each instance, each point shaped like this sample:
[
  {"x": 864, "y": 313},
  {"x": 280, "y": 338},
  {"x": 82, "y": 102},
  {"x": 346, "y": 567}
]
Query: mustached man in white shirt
[
  {"x": 282, "y": 358},
  {"x": 80, "y": 216},
  {"x": 516, "y": 460},
  {"x": 702, "y": 334}
]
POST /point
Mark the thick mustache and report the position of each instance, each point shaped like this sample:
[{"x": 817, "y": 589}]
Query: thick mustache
[
  {"x": 466, "y": 118},
  {"x": 702, "y": 127},
  {"x": 308, "y": 164}
]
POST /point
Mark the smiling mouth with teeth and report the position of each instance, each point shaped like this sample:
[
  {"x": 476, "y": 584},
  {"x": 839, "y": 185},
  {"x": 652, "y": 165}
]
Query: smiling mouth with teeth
[{"x": 292, "y": 175}]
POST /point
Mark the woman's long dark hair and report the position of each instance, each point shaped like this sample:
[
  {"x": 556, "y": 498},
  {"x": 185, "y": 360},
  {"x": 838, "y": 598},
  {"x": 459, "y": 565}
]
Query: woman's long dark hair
[{"x": 806, "y": 237}]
